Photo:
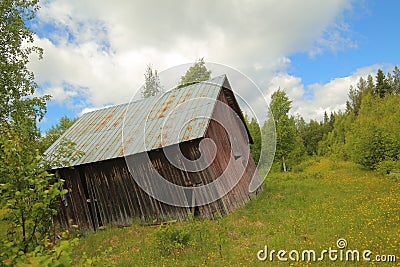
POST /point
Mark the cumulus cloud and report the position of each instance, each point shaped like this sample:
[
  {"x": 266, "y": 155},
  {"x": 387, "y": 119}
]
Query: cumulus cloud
[
  {"x": 101, "y": 48},
  {"x": 291, "y": 84},
  {"x": 59, "y": 93},
  {"x": 331, "y": 96},
  {"x": 313, "y": 100}
]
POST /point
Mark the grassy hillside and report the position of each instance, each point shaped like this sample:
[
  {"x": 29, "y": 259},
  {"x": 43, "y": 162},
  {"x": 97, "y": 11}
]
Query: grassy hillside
[{"x": 310, "y": 209}]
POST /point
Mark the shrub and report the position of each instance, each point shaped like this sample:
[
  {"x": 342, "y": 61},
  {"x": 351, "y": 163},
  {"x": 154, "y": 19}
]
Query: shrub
[
  {"x": 170, "y": 239},
  {"x": 388, "y": 166},
  {"x": 395, "y": 176}
]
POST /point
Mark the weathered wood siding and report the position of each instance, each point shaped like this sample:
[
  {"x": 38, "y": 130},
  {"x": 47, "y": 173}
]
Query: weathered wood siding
[
  {"x": 239, "y": 195},
  {"x": 105, "y": 193}
]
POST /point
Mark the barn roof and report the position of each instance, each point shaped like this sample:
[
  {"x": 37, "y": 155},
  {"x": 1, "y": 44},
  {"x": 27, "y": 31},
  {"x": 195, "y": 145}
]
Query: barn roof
[{"x": 176, "y": 116}]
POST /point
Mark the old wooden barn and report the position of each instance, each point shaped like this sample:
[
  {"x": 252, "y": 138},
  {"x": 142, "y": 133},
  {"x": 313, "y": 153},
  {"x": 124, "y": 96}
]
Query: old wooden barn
[{"x": 103, "y": 183}]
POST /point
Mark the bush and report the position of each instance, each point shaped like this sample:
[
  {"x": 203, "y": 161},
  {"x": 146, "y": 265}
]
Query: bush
[
  {"x": 388, "y": 166},
  {"x": 47, "y": 254},
  {"x": 395, "y": 176},
  {"x": 170, "y": 239}
]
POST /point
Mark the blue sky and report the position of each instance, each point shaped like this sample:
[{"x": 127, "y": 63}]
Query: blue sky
[
  {"x": 373, "y": 29},
  {"x": 95, "y": 52}
]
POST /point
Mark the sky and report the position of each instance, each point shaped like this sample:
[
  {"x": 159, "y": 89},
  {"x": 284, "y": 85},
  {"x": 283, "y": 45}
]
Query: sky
[{"x": 96, "y": 52}]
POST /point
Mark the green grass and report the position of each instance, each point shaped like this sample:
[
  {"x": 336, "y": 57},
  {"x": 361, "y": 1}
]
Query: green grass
[{"x": 311, "y": 209}]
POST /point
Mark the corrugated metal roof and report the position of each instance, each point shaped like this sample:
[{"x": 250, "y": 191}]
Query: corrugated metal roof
[{"x": 176, "y": 116}]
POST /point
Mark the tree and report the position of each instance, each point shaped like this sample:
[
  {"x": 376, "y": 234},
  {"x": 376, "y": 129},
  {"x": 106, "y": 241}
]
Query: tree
[
  {"x": 52, "y": 134},
  {"x": 356, "y": 95},
  {"x": 371, "y": 142},
  {"x": 382, "y": 87},
  {"x": 370, "y": 84},
  {"x": 366, "y": 133},
  {"x": 196, "y": 73},
  {"x": 30, "y": 195},
  {"x": 333, "y": 144},
  {"x": 19, "y": 108},
  {"x": 314, "y": 133},
  {"x": 327, "y": 124},
  {"x": 28, "y": 191},
  {"x": 268, "y": 145},
  {"x": 280, "y": 105},
  {"x": 152, "y": 85},
  {"x": 331, "y": 121},
  {"x": 394, "y": 80},
  {"x": 255, "y": 131},
  {"x": 285, "y": 127},
  {"x": 326, "y": 118},
  {"x": 66, "y": 151}
]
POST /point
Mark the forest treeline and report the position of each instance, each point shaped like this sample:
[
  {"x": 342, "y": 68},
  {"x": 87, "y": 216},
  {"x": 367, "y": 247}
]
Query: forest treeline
[{"x": 367, "y": 132}]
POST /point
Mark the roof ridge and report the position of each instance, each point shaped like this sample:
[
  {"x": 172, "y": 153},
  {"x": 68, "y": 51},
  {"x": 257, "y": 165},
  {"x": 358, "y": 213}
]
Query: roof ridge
[{"x": 223, "y": 76}]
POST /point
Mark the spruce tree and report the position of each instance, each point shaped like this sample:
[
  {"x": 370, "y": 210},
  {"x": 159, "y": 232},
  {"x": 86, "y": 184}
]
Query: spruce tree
[
  {"x": 152, "y": 85},
  {"x": 196, "y": 73}
]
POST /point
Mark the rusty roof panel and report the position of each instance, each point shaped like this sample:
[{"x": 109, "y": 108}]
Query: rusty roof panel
[{"x": 176, "y": 116}]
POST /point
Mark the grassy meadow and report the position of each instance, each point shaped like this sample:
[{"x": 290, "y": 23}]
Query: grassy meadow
[{"x": 310, "y": 208}]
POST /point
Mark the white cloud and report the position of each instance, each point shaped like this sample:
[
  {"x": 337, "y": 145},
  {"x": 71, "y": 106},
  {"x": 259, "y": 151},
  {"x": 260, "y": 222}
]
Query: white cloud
[
  {"x": 312, "y": 101},
  {"x": 101, "y": 48},
  {"x": 291, "y": 84},
  {"x": 59, "y": 93},
  {"x": 331, "y": 96},
  {"x": 90, "y": 109}
]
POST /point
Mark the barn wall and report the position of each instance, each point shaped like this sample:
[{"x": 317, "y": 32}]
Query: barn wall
[
  {"x": 240, "y": 193},
  {"x": 105, "y": 193},
  {"x": 74, "y": 209}
]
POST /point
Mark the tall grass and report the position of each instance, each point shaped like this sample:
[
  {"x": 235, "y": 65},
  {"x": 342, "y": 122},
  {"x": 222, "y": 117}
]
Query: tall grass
[{"x": 308, "y": 209}]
